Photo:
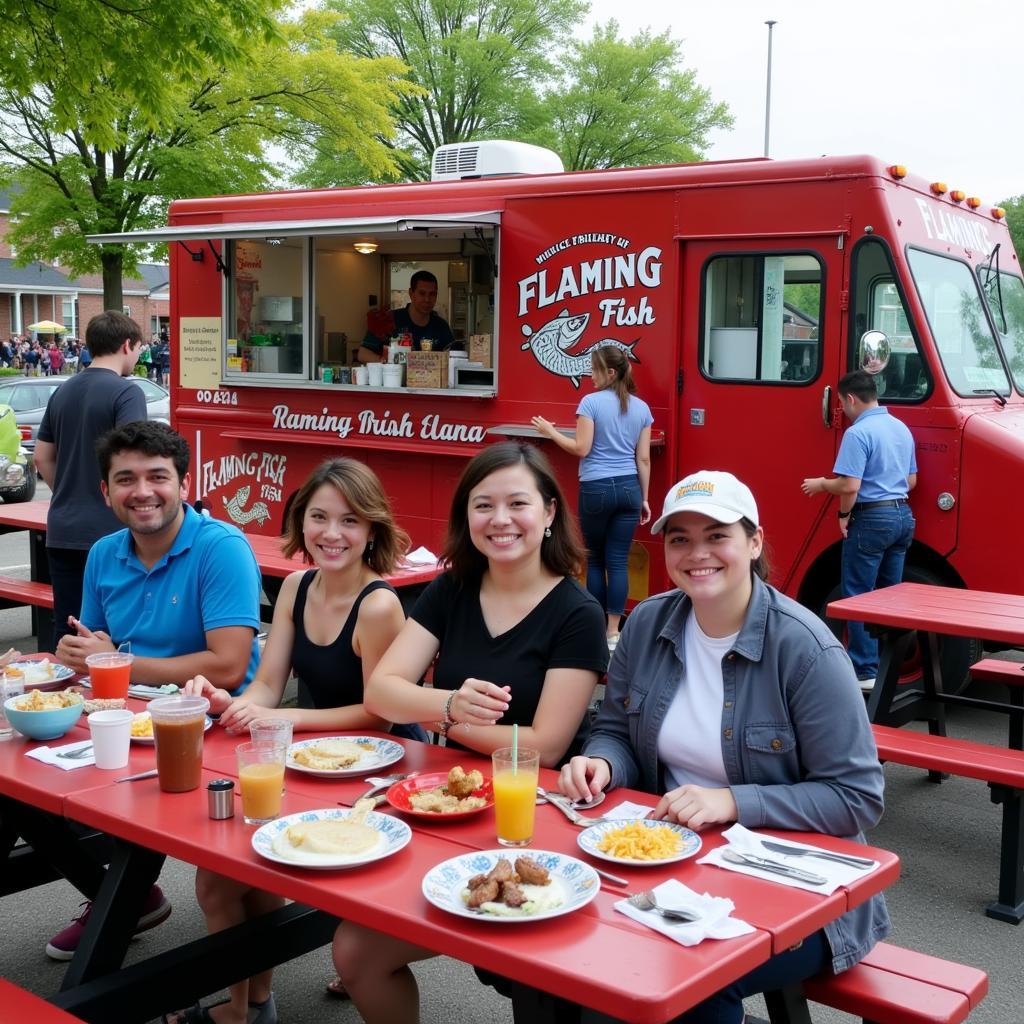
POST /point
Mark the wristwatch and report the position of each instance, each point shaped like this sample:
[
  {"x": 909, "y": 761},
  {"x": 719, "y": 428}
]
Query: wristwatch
[{"x": 845, "y": 515}]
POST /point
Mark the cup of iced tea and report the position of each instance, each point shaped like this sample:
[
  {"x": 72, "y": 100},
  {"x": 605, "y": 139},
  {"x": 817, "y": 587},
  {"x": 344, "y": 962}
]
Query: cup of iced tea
[
  {"x": 109, "y": 673},
  {"x": 261, "y": 777},
  {"x": 515, "y": 794},
  {"x": 178, "y": 724}
]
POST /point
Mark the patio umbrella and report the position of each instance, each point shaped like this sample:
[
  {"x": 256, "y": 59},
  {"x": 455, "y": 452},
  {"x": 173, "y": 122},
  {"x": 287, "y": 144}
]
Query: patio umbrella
[{"x": 47, "y": 327}]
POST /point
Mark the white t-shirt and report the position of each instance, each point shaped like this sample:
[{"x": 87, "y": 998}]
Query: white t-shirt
[{"x": 690, "y": 741}]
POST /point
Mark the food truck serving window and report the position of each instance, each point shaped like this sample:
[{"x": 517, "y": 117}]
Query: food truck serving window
[
  {"x": 761, "y": 317},
  {"x": 308, "y": 308},
  {"x": 959, "y": 323}
]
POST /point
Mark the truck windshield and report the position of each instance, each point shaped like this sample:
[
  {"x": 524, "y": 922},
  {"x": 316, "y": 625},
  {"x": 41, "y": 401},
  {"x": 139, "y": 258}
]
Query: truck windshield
[
  {"x": 1013, "y": 339},
  {"x": 959, "y": 324}
]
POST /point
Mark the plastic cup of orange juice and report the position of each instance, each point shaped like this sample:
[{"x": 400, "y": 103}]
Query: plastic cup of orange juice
[
  {"x": 109, "y": 673},
  {"x": 261, "y": 777},
  {"x": 515, "y": 794}
]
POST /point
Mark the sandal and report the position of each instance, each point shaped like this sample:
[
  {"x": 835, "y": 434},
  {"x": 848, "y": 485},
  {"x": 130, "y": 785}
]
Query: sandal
[
  {"x": 196, "y": 1014},
  {"x": 337, "y": 988}
]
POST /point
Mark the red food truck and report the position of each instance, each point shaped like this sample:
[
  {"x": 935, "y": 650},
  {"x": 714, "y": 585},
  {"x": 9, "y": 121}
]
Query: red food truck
[{"x": 741, "y": 291}]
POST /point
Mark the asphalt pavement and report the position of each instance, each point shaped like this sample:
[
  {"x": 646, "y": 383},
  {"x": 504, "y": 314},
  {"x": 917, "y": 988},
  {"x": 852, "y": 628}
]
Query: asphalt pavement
[{"x": 946, "y": 835}]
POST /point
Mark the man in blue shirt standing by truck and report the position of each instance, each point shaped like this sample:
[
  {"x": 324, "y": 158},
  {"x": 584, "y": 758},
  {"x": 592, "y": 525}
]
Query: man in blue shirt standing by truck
[{"x": 876, "y": 469}]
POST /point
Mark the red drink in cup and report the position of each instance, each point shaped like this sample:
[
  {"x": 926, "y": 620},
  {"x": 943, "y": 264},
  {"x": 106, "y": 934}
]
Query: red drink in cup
[{"x": 110, "y": 674}]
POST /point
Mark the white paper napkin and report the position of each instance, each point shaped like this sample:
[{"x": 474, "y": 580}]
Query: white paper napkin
[
  {"x": 421, "y": 556},
  {"x": 48, "y": 755},
  {"x": 627, "y": 810},
  {"x": 743, "y": 840},
  {"x": 715, "y": 912}
]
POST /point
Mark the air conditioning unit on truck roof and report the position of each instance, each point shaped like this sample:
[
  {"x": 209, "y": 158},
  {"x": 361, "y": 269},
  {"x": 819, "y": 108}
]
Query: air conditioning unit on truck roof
[{"x": 492, "y": 159}]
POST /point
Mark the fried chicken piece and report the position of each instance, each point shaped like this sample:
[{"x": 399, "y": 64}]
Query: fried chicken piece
[
  {"x": 530, "y": 872},
  {"x": 486, "y": 892},
  {"x": 501, "y": 872},
  {"x": 462, "y": 785},
  {"x": 512, "y": 895},
  {"x": 475, "y": 881}
]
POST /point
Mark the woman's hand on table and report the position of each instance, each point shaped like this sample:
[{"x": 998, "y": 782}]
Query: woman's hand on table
[
  {"x": 11, "y": 655},
  {"x": 220, "y": 700},
  {"x": 696, "y": 807},
  {"x": 478, "y": 702},
  {"x": 584, "y": 777}
]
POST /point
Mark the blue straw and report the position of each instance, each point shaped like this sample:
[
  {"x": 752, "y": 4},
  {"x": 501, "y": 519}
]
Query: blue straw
[{"x": 515, "y": 749}]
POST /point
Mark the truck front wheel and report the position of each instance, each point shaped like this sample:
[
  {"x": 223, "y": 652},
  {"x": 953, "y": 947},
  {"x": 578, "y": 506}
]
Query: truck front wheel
[{"x": 956, "y": 654}]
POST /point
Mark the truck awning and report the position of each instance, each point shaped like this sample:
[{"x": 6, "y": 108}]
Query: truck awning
[{"x": 288, "y": 228}]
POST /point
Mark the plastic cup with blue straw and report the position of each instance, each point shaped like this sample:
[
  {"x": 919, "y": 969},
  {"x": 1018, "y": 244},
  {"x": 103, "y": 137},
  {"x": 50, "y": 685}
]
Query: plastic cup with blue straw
[{"x": 515, "y": 772}]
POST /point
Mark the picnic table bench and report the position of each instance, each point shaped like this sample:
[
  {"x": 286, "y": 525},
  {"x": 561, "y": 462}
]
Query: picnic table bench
[{"x": 914, "y": 612}]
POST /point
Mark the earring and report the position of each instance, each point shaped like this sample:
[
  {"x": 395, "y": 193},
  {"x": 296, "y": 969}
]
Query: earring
[
  {"x": 369, "y": 546},
  {"x": 547, "y": 531}
]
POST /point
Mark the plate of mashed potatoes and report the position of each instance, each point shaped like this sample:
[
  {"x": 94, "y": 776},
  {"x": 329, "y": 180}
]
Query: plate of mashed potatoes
[
  {"x": 341, "y": 757},
  {"x": 336, "y": 837}
]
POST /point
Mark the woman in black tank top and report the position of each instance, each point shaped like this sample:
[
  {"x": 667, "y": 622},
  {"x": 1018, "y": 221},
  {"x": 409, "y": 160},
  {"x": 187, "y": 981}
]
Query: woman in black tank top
[{"x": 331, "y": 625}]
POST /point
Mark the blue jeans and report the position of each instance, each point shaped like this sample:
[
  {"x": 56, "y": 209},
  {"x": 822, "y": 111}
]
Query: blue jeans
[
  {"x": 609, "y": 514},
  {"x": 873, "y": 555},
  {"x": 811, "y": 957}
]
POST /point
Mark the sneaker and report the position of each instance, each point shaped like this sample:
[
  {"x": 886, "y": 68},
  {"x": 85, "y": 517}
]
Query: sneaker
[
  {"x": 62, "y": 946},
  {"x": 613, "y": 642},
  {"x": 866, "y": 685}
]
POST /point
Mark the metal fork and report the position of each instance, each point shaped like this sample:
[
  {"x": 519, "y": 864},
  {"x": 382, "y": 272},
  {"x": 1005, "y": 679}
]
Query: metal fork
[
  {"x": 645, "y": 901},
  {"x": 75, "y": 755},
  {"x": 565, "y": 806}
]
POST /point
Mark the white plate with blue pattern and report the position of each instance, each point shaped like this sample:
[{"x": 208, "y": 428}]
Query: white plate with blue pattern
[
  {"x": 394, "y": 834},
  {"x": 379, "y": 753},
  {"x": 574, "y": 884},
  {"x": 589, "y": 840}
]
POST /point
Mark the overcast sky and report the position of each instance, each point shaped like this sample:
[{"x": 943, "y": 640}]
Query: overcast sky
[{"x": 933, "y": 85}]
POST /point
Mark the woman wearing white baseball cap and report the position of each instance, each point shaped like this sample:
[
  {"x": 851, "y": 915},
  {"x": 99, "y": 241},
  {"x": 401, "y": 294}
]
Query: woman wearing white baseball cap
[{"x": 723, "y": 697}]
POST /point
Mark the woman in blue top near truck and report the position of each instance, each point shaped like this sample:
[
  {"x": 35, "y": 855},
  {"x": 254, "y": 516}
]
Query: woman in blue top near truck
[
  {"x": 613, "y": 441},
  {"x": 722, "y": 698}
]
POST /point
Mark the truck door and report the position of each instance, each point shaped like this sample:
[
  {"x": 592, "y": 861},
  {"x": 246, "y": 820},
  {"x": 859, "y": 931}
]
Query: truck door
[{"x": 760, "y": 357}]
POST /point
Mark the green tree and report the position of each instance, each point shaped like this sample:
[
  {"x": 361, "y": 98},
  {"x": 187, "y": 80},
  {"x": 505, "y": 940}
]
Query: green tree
[
  {"x": 107, "y": 156},
  {"x": 480, "y": 64},
  {"x": 1014, "y": 207},
  {"x": 627, "y": 103}
]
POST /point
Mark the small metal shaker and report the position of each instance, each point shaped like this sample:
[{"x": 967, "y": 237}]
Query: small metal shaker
[{"x": 221, "y": 798}]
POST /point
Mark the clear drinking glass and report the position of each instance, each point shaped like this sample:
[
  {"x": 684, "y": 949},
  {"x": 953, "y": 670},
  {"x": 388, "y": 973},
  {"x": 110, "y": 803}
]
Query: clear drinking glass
[
  {"x": 515, "y": 794},
  {"x": 261, "y": 778}
]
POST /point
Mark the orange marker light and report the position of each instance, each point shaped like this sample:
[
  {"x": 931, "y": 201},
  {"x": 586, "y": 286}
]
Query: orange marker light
[
  {"x": 940, "y": 188},
  {"x": 958, "y": 195},
  {"x": 898, "y": 171},
  {"x": 973, "y": 202},
  {"x": 998, "y": 212}
]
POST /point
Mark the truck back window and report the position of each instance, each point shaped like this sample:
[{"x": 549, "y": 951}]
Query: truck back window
[{"x": 761, "y": 318}]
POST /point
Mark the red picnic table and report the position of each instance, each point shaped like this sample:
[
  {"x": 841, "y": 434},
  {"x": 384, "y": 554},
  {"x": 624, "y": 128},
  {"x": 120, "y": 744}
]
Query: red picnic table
[{"x": 596, "y": 956}]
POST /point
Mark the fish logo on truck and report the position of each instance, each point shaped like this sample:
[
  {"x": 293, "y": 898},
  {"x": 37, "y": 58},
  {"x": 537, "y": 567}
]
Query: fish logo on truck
[
  {"x": 235, "y": 508},
  {"x": 551, "y": 342},
  {"x": 626, "y": 272}
]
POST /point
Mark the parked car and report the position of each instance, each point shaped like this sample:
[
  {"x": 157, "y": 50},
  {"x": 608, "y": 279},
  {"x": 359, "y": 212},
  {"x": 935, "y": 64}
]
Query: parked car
[{"x": 28, "y": 396}]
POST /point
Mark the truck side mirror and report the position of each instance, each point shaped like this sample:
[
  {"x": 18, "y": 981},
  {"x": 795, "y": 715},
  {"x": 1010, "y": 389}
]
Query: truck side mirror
[{"x": 874, "y": 352}]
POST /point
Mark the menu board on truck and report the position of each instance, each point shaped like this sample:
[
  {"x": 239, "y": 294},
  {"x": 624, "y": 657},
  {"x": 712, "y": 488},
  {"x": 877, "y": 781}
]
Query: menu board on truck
[{"x": 199, "y": 345}]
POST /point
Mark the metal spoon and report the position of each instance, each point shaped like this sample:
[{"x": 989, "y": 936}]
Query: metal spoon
[
  {"x": 773, "y": 866},
  {"x": 645, "y": 901}
]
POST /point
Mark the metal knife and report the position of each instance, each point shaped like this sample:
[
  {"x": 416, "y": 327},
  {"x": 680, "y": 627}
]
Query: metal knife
[
  {"x": 774, "y": 866},
  {"x": 839, "y": 858}
]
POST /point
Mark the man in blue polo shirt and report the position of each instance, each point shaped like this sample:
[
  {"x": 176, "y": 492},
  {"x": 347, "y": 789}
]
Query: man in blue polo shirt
[
  {"x": 183, "y": 589},
  {"x": 877, "y": 469}
]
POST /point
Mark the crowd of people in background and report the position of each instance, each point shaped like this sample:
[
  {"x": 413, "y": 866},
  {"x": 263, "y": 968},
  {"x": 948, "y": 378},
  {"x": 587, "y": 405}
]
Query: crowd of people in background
[{"x": 50, "y": 355}]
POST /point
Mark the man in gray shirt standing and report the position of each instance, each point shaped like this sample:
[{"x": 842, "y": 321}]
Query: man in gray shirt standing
[{"x": 80, "y": 411}]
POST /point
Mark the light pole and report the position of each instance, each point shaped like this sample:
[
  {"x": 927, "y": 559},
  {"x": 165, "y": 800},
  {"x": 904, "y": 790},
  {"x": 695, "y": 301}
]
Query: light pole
[{"x": 768, "y": 89}]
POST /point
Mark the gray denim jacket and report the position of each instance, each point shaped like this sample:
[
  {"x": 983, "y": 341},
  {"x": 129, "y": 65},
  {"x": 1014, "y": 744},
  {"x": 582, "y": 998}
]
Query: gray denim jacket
[{"x": 796, "y": 741}]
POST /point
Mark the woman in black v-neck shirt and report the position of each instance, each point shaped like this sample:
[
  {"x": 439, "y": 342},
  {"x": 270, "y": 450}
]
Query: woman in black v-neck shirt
[
  {"x": 331, "y": 626},
  {"x": 517, "y": 640}
]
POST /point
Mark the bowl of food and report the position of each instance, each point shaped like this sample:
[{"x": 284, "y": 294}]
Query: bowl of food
[{"x": 44, "y": 716}]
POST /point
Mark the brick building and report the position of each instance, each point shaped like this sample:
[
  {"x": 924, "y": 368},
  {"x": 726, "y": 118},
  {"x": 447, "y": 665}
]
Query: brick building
[{"x": 42, "y": 291}]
